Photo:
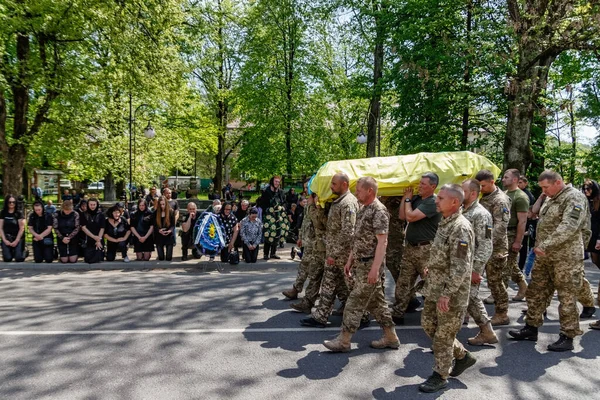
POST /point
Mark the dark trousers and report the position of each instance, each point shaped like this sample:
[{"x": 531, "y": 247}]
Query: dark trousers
[
  {"x": 165, "y": 251},
  {"x": 250, "y": 256},
  {"x": 113, "y": 248},
  {"x": 270, "y": 248},
  {"x": 42, "y": 253},
  {"x": 16, "y": 253}
]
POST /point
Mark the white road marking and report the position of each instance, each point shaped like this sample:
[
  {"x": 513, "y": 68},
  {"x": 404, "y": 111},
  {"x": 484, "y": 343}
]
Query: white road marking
[{"x": 211, "y": 331}]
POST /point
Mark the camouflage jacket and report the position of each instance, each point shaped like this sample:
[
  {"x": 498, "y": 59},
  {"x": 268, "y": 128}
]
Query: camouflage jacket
[
  {"x": 397, "y": 226},
  {"x": 481, "y": 221},
  {"x": 340, "y": 228},
  {"x": 498, "y": 204},
  {"x": 371, "y": 220},
  {"x": 318, "y": 218},
  {"x": 563, "y": 229},
  {"x": 307, "y": 230},
  {"x": 451, "y": 261}
]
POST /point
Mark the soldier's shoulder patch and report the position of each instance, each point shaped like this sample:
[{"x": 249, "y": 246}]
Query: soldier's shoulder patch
[
  {"x": 576, "y": 211},
  {"x": 462, "y": 249},
  {"x": 488, "y": 232}
]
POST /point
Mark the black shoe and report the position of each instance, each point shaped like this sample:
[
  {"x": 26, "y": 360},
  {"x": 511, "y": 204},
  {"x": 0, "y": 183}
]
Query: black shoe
[
  {"x": 588, "y": 312},
  {"x": 413, "y": 304},
  {"x": 398, "y": 320},
  {"x": 433, "y": 384},
  {"x": 310, "y": 321},
  {"x": 562, "y": 344},
  {"x": 461, "y": 365},
  {"x": 526, "y": 333},
  {"x": 184, "y": 258},
  {"x": 265, "y": 257},
  {"x": 293, "y": 253},
  {"x": 364, "y": 322},
  {"x": 275, "y": 256}
]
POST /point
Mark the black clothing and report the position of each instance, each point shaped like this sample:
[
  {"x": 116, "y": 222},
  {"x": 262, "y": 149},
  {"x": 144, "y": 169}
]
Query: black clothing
[
  {"x": 66, "y": 226},
  {"x": 142, "y": 221},
  {"x": 187, "y": 238},
  {"x": 250, "y": 256},
  {"x": 164, "y": 244},
  {"x": 116, "y": 232},
  {"x": 11, "y": 223},
  {"x": 42, "y": 251},
  {"x": 595, "y": 216}
]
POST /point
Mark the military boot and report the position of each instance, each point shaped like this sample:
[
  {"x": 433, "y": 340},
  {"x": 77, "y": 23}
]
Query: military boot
[
  {"x": 302, "y": 307},
  {"x": 522, "y": 291},
  {"x": 588, "y": 312},
  {"x": 486, "y": 335},
  {"x": 433, "y": 384},
  {"x": 388, "y": 340},
  {"x": 341, "y": 344},
  {"x": 563, "y": 343},
  {"x": 528, "y": 332},
  {"x": 500, "y": 319},
  {"x": 461, "y": 365},
  {"x": 489, "y": 300},
  {"x": 291, "y": 294}
]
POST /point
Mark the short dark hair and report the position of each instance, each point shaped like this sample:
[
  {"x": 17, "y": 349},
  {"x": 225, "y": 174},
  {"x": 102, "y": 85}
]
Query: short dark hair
[
  {"x": 550, "y": 176},
  {"x": 514, "y": 172},
  {"x": 434, "y": 179},
  {"x": 368, "y": 182},
  {"x": 484, "y": 175},
  {"x": 524, "y": 179},
  {"x": 455, "y": 191},
  {"x": 473, "y": 184}
]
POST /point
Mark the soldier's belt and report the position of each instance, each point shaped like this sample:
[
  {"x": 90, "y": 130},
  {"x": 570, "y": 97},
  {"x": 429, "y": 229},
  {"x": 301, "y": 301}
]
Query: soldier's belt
[{"x": 419, "y": 244}]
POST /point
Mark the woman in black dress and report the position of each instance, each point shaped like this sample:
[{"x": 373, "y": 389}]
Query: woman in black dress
[
  {"x": 164, "y": 224},
  {"x": 93, "y": 225},
  {"x": 40, "y": 226},
  {"x": 116, "y": 233},
  {"x": 142, "y": 229},
  {"x": 591, "y": 189},
  {"x": 66, "y": 227},
  {"x": 12, "y": 230}
]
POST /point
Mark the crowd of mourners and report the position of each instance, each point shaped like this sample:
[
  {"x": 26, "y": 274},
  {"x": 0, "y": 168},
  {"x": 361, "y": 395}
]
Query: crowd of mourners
[{"x": 80, "y": 228}]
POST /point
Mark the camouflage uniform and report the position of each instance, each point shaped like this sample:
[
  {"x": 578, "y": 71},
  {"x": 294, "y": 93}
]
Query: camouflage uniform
[
  {"x": 371, "y": 220},
  {"x": 316, "y": 258},
  {"x": 481, "y": 221},
  {"x": 563, "y": 231},
  {"x": 307, "y": 235},
  {"x": 498, "y": 205},
  {"x": 395, "y": 247},
  {"x": 338, "y": 239},
  {"x": 512, "y": 263},
  {"x": 449, "y": 275}
]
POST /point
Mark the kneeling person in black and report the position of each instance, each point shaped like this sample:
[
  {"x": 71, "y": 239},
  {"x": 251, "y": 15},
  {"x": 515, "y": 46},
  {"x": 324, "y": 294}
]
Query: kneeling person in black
[
  {"x": 40, "y": 226},
  {"x": 92, "y": 225},
  {"x": 116, "y": 233},
  {"x": 142, "y": 229},
  {"x": 187, "y": 232},
  {"x": 66, "y": 226}
]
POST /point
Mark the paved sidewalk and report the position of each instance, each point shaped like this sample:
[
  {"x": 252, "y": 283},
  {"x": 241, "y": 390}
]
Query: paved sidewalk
[{"x": 203, "y": 263}]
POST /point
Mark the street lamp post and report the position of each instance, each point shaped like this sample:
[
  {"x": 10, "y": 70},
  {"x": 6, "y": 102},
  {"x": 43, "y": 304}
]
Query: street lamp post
[{"x": 148, "y": 132}]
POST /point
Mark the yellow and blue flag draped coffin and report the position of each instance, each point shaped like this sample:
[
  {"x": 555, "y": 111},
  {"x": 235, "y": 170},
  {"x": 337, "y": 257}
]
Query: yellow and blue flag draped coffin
[{"x": 394, "y": 174}]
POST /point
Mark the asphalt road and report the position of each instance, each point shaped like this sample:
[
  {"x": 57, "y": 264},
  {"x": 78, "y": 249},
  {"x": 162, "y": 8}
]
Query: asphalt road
[{"x": 188, "y": 334}]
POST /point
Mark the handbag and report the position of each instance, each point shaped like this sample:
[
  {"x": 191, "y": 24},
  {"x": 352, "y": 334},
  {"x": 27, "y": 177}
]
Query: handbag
[
  {"x": 48, "y": 241},
  {"x": 234, "y": 257}
]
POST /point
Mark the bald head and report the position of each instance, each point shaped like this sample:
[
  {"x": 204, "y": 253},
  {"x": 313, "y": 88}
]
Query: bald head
[{"x": 340, "y": 183}]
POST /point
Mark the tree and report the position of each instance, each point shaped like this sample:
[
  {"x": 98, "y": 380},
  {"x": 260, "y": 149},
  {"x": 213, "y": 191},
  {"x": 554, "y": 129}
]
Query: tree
[{"x": 542, "y": 31}]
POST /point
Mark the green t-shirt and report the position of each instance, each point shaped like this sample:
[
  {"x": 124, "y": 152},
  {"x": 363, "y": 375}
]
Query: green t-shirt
[
  {"x": 519, "y": 203},
  {"x": 425, "y": 229}
]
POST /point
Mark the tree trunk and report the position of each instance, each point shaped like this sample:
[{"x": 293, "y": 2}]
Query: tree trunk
[
  {"x": 524, "y": 91},
  {"x": 464, "y": 140},
  {"x": 572, "y": 123},
  {"x": 13, "y": 163},
  {"x": 109, "y": 188},
  {"x": 538, "y": 143},
  {"x": 375, "y": 105}
]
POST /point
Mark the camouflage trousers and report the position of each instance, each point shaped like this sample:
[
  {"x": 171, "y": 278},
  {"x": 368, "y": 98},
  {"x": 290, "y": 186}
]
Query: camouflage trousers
[
  {"x": 316, "y": 266},
  {"x": 494, "y": 270},
  {"x": 414, "y": 263},
  {"x": 365, "y": 297},
  {"x": 393, "y": 259},
  {"x": 442, "y": 329},
  {"x": 303, "y": 270},
  {"x": 476, "y": 309},
  {"x": 333, "y": 284},
  {"x": 566, "y": 277},
  {"x": 512, "y": 270},
  {"x": 586, "y": 295}
]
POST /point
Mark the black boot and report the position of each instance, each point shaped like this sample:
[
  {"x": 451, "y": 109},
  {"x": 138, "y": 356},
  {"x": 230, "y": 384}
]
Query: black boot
[
  {"x": 413, "y": 304},
  {"x": 562, "y": 344},
  {"x": 528, "y": 332},
  {"x": 433, "y": 384},
  {"x": 461, "y": 365},
  {"x": 588, "y": 312}
]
